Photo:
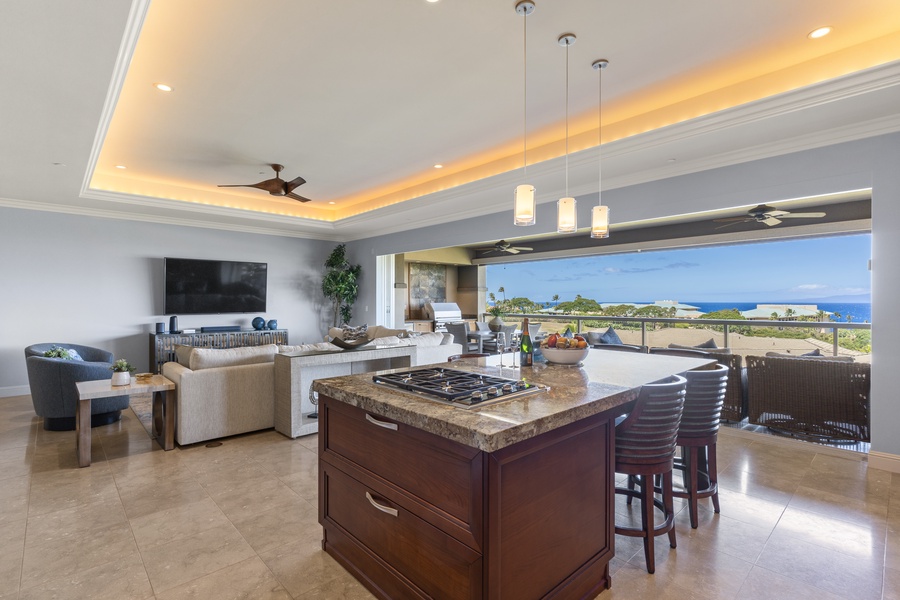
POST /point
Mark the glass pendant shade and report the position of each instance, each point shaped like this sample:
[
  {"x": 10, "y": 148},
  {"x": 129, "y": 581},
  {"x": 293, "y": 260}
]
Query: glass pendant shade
[
  {"x": 600, "y": 222},
  {"x": 524, "y": 205},
  {"x": 566, "y": 216}
]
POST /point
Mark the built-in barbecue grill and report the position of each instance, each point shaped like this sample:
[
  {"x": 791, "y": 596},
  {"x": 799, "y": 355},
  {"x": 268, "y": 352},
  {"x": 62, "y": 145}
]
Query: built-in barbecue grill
[
  {"x": 461, "y": 388},
  {"x": 441, "y": 313}
]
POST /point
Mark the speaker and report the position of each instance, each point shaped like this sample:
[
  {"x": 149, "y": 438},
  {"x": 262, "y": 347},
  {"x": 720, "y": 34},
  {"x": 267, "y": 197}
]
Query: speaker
[
  {"x": 220, "y": 328},
  {"x": 173, "y": 324},
  {"x": 160, "y": 328}
]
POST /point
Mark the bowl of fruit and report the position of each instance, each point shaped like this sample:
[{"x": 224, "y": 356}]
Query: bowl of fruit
[{"x": 562, "y": 350}]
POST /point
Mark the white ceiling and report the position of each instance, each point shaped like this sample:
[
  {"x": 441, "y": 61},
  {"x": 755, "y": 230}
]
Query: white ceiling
[{"x": 362, "y": 98}]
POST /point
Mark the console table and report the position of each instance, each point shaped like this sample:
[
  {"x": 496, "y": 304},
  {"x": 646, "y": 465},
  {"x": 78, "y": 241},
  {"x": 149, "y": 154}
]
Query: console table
[
  {"x": 162, "y": 345},
  {"x": 296, "y": 371}
]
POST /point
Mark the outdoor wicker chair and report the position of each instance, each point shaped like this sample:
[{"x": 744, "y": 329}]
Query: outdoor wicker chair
[{"x": 812, "y": 397}]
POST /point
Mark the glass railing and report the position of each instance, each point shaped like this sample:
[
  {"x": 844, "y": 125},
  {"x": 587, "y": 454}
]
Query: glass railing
[{"x": 745, "y": 337}]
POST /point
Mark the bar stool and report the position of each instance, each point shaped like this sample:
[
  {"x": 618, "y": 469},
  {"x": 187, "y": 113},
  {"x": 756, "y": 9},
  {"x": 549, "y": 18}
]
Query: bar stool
[
  {"x": 645, "y": 447},
  {"x": 699, "y": 429}
]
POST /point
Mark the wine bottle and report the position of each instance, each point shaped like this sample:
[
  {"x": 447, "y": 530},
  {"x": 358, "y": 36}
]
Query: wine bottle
[{"x": 526, "y": 347}]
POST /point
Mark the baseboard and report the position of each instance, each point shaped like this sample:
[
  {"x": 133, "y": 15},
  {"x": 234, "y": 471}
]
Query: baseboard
[
  {"x": 884, "y": 461},
  {"x": 14, "y": 390}
]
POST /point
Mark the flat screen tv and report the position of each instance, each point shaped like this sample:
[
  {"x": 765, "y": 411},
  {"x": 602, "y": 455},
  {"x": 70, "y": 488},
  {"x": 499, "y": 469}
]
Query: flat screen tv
[{"x": 205, "y": 287}]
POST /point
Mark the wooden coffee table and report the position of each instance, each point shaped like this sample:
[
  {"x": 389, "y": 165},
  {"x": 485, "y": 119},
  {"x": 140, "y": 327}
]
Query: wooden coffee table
[{"x": 163, "y": 419}]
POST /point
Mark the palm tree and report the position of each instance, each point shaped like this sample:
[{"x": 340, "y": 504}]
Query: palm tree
[
  {"x": 821, "y": 316},
  {"x": 774, "y": 315},
  {"x": 789, "y": 313}
]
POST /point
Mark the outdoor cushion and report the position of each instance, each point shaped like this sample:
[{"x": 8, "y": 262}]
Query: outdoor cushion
[
  {"x": 703, "y": 346},
  {"x": 610, "y": 337},
  {"x": 209, "y": 358},
  {"x": 815, "y": 352},
  {"x": 811, "y": 357}
]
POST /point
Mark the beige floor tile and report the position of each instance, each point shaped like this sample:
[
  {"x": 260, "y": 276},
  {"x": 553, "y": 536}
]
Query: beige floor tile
[
  {"x": 162, "y": 496},
  {"x": 14, "y": 499},
  {"x": 891, "y": 584},
  {"x": 74, "y": 523},
  {"x": 869, "y": 510},
  {"x": 119, "y": 579},
  {"x": 775, "y": 488},
  {"x": 175, "y": 563},
  {"x": 344, "y": 587},
  {"x": 302, "y": 566},
  {"x": 310, "y": 441},
  {"x": 865, "y": 542},
  {"x": 178, "y": 522},
  {"x": 244, "y": 501},
  {"x": 280, "y": 525},
  {"x": 762, "y": 583},
  {"x": 892, "y": 545},
  {"x": 65, "y": 557},
  {"x": 697, "y": 564},
  {"x": 233, "y": 473},
  {"x": 12, "y": 550},
  {"x": 722, "y": 533},
  {"x": 774, "y": 460},
  {"x": 291, "y": 460},
  {"x": 871, "y": 484},
  {"x": 632, "y": 582},
  {"x": 249, "y": 579},
  {"x": 748, "y": 509},
  {"x": 131, "y": 465},
  {"x": 59, "y": 490},
  {"x": 18, "y": 435},
  {"x": 824, "y": 568}
]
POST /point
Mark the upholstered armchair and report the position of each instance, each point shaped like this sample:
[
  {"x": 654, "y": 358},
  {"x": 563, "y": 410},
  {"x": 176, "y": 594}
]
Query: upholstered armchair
[{"x": 52, "y": 382}]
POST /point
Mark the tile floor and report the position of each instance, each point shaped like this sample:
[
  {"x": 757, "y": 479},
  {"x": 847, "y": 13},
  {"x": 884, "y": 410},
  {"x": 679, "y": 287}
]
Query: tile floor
[{"x": 239, "y": 521}]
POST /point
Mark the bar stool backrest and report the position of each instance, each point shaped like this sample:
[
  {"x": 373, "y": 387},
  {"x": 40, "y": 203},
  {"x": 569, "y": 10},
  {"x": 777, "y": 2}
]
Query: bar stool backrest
[
  {"x": 704, "y": 397},
  {"x": 646, "y": 438}
]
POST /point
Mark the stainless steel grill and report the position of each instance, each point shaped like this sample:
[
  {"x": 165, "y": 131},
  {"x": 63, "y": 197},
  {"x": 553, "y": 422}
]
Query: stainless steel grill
[{"x": 441, "y": 313}]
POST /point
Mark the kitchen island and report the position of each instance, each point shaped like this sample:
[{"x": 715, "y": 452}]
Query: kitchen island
[{"x": 514, "y": 500}]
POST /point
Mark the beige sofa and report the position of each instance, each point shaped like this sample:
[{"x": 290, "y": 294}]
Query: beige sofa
[{"x": 222, "y": 392}]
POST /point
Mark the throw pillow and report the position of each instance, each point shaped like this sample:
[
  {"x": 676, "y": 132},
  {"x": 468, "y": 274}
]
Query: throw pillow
[
  {"x": 610, "y": 337},
  {"x": 183, "y": 355},
  {"x": 63, "y": 353},
  {"x": 448, "y": 339},
  {"x": 351, "y": 334},
  {"x": 710, "y": 343},
  {"x": 593, "y": 338},
  {"x": 719, "y": 351}
]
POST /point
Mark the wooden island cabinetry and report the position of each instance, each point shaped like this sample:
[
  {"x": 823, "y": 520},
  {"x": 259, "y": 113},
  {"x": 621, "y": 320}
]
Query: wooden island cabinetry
[{"x": 513, "y": 501}]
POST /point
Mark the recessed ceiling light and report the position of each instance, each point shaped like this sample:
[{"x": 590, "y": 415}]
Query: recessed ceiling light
[
  {"x": 820, "y": 32},
  {"x": 121, "y": 167},
  {"x": 438, "y": 166},
  {"x": 163, "y": 87},
  {"x": 59, "y": 164},
  {"x": 331, "y": 203},
  {"x": 432, "y": 1}
]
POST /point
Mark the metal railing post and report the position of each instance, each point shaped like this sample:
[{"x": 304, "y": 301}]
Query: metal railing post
[
  {"x": 834, "y": 341},
  {"x": 726, "y": 340},
  {"x": 644, "y": 335}
]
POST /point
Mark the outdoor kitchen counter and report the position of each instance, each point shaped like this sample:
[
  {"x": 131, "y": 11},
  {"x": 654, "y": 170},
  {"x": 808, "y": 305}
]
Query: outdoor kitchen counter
[{"x": 606, "y": 381}]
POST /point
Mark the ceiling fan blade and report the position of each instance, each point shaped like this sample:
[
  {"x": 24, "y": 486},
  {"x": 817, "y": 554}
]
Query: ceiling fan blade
[
  {"x": 770, "y": 221},
  {"x": 297, "y": 197},
  {"x": 812, "y": 215},
  {"x": 777, "y": 213},
  {"x": 512, "y": 250},
  {"x": 732, "y": 220},
  {"x": 293, "y": 184},
  {"x": 522, "y": 248}
]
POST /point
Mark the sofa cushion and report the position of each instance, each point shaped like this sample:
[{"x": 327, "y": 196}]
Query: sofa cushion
[
  {"x": 425, "y": 340},
  {"x": 183, "y": 355},
  {"x": 607, "y": 337},
  {"x": 703, "y": 346},
  {"x": 209, "y": 358},
  {"x": 810, "y": 357},
  {"x": 448, "y": 339}
]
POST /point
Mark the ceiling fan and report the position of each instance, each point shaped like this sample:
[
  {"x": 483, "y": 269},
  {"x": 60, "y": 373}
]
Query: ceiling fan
[
  {"x": 504, "y": 246},
  {"x": 768, "y": 215},
  {"x": 277, "y": 186}
]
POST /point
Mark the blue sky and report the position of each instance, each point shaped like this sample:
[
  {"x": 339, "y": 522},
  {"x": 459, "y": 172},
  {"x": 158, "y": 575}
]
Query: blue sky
[{"x": 809, "y": 269}]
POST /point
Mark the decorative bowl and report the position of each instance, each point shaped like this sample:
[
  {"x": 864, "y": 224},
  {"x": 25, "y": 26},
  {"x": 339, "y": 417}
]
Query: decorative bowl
[
  {"x": 350, "y": 345},
  {"x": 568, "y": 356}
]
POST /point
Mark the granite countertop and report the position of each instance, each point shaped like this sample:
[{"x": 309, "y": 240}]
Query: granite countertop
[{"x": 606, "y": 381}]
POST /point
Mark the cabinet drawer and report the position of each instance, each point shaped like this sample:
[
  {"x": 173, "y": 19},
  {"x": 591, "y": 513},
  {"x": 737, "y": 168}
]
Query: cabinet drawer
[
  {"x": 442, "y": 474},
  {"x": 435, "y": 563}
]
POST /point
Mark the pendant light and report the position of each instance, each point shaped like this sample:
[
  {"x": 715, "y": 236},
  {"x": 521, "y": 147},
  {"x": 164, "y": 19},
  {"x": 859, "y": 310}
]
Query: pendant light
[
  {"x": 523, "y": 207},
  {"x": 566, "y": 213},
  {"x": 600, "y": 213}
]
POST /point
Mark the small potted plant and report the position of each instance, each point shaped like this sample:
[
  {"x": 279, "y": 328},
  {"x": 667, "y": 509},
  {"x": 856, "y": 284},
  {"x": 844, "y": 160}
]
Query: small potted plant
[
  {"x": 496, "y": 324},
  {"x": 121, "y": 372}
]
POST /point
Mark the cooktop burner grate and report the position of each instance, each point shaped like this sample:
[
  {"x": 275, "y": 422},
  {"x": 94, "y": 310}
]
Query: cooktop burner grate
[{"x": 457, "y": 387}]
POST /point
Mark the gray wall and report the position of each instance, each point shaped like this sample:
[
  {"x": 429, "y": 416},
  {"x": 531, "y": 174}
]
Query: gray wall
[
  {"x": 99, "y": 282},
  {"x": 873, "y": 162}
]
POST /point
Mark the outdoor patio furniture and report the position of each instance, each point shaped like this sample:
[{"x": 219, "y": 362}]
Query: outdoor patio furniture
[
  {"x": 460, "y": 333},
  {"x": 493, "y": 345},
  {"x": 621, "y": 348},
  {"x": 810, "y": 397},
  {"x": 735, "y": 407},
  {"x": 645, "y": 447}
]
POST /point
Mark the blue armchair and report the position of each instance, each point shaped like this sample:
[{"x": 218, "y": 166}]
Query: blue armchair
[{"x": 52, "y": 382}]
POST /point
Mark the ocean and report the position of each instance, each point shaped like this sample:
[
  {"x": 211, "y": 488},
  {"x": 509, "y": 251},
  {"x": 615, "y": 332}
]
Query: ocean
[{"x": 860, "y": 312}]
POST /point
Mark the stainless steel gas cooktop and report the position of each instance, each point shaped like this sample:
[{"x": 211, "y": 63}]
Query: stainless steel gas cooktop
[{"x": 459, "y": 388}]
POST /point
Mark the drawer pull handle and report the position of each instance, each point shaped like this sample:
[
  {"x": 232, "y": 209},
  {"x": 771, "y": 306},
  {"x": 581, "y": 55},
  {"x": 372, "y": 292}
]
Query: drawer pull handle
[
  {"x": 384, "y": 424},
  {"x": 381, "y": 507}
]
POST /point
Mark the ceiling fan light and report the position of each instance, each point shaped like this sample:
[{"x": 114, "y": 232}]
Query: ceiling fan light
[
  {"x": 566, "y": 216},
  {"x": 600, "y": 222},
  {"x": 524, "y": 205}
]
